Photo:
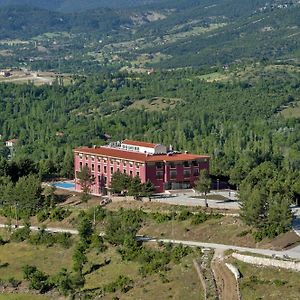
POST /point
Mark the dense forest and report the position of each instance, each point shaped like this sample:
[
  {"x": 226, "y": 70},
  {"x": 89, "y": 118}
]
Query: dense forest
[{"x": 237, "y": 123}]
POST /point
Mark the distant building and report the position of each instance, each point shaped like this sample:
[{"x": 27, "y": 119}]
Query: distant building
[
  {"x": 5, "y": 73},
  {"x": 166, "y": 170},
  {"x": 60, "y": 134},
  {"x": 11, "y": 143}
]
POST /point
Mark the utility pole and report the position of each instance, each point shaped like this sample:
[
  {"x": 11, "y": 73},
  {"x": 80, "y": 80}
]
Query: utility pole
[{"x": 16, "y": 214}]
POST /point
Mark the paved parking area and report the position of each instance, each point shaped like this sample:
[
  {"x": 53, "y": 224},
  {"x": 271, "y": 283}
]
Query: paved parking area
[{"x": 188, "y": 199}]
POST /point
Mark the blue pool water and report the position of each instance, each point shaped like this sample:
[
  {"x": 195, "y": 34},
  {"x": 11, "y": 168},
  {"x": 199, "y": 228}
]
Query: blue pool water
[{"x": 64, "y": 185}]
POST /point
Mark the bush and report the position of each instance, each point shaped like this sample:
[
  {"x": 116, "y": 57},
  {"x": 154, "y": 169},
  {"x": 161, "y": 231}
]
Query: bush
[
  {"x": 38, "y": 280},
  {"x": 98, "y": 212},
  {"x": 160, "y": 218},
  {"x": 14, "y": 282},
  {"x": 20, "y": 234},
  {"x": 199, "y": 218},
  {"x": 42, "y": 215},
  {"x": 2, "y": 242},
  {"x": 179, "y": 252},
  {"x": 123, "y": 283},
  {"x": 64, "y": 239},
  {"x": 58, "y": 214},
  {"x": 184, "y": 215},
  {"x": 42, "y": 237}
]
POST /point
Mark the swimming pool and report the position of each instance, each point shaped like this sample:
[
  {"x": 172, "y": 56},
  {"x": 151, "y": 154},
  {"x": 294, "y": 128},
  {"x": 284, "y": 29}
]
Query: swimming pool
[{"x": 64, "y": 185}]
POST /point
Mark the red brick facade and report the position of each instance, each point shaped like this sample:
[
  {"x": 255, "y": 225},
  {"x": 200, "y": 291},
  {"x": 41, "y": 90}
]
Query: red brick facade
[{"x": 165, "y": 170}]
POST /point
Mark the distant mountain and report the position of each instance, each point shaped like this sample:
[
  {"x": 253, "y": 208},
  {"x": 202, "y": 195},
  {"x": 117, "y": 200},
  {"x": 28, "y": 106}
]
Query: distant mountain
[
  {"x": 26, "y": 22},
  {"x": 77, "y": 5}
]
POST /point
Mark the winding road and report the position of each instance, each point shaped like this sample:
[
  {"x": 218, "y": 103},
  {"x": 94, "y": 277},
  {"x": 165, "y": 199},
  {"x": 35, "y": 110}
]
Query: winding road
[{"x": 292, "y": 253}]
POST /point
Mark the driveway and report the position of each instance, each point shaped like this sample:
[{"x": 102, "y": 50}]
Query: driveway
[{"x": 188, "y": 199}]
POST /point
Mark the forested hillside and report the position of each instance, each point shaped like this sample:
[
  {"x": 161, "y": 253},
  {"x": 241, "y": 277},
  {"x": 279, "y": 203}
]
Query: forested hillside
[
  {"x": 76, "y": 5},
  {"x": 237, "y": 122},
  {"x": 26, "y": 22},
  {"x": 160, "y": 34}
]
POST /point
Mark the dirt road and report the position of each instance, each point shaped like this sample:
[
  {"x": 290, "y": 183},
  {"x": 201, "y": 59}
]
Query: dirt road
[{"x": 226, "y": 283}]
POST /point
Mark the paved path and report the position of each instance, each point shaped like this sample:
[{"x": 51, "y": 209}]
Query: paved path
[
  {"x": 36, "y": 228},
  {"x": 290, "y": 252}
]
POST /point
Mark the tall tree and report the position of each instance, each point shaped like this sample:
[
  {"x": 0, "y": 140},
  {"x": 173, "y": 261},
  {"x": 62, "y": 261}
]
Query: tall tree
[
  {"x": 86, "y": 180},
  {"x": 203, "y": 185}
]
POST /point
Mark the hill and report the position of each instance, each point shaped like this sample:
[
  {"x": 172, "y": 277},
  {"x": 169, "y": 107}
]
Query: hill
[
  {"x": 75, "y": 5},
  {"x": 160, "y": 34}
]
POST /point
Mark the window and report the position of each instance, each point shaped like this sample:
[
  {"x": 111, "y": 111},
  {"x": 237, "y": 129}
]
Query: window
[
  {"x": 93, "y": 158},
  {"x": 138, "y": 174},
  {"x": 86, "y": 164},
  {"x": 86, "y": 157},
  {"x": 159, "y": 175},
  {"x": 196, "y": 172},
  {"x": 186, "y": 164},
  {"x": 159, "y": 165},
  {"x": 99, "y": 158},
  {"x": 124, "y": 171},
  {"x": 195, "y": 163},
  {"x": 105, "y": 169},
  {"x": 80, "y": 165},
  {"x": 173, "y": 174},
  {"x": 131, "y": 173},
  {"x": 80, "y": 155},
  {"x": 186, "y": 173},
  {"x": 124, "y": 163},
  {"x": 111, "y": 170},
  {"x": 172, "y": 165},
  {"x": 98, "y": 168},
  {"x": 93, "y": 167},
  {"x": 131, "y": 164},
  {"x": 105, "y": 179}
]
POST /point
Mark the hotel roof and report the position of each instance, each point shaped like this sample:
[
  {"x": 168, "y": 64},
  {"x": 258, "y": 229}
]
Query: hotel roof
[
  {"x": 137, "y": 156},
  {"x": 138, "y": 143}
]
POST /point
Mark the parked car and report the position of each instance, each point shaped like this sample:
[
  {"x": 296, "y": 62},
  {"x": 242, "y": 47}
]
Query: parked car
[{"x": 105, "y": 201}]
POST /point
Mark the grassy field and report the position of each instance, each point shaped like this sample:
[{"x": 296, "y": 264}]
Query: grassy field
[
  {"x": 292, "y": 111},
  {"x": 48, "y": 259},
  {"x": 6, "y": 296},
  {"x": 180, "y": 282},
  {"x": 155, "y": 104},
  {"x": 227, "y": 230},
  {"x": 268, "y": 283}
]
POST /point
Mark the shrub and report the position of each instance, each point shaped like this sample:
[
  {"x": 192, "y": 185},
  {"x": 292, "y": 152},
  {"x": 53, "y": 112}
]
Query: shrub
[
  {"x": 179, "y": 252},
  {"x": 38, "y": 280},
  {"x": 123, "y": 283},
  {"x": 20, "y": 234},
  {"x": 2, "y": 242},
  {"x": 42, "y": 237},
  {"x": 64, "y": 239},
  {"x": 58, "y": 214},
  {"x": 199, "y": 218},
  {"x": 14, "y": 282},
  {"x": 42, "y": 215},
  {"x": 243, "y": 233},
  {"x": 160, "y": 218},
  {"x": 98, "y": 212},
  {"x": 184, "y": 215}
]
